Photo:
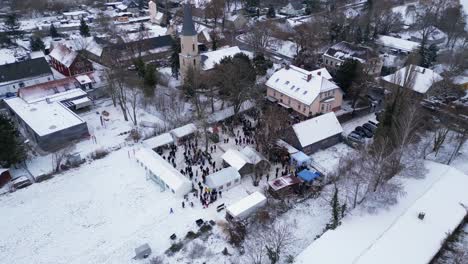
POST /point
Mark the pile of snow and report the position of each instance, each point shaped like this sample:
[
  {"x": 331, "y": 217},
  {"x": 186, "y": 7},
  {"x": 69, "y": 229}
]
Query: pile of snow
[{"x": 397, "y": 235}]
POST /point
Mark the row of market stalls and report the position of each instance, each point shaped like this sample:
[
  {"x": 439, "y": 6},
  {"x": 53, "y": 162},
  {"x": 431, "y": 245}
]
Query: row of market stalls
[{"x": 176, "y": 136}]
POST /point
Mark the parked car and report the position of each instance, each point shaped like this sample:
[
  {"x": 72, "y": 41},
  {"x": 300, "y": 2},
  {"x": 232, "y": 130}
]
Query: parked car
[
  {"x": 21, "y": 182},
  {"x": 367, "y": 133},
  {"x": 355, "y": 138},
  {"x": 360, "y": 133},
  {"x": 369, "y": 127},
  {"x": 376, "y": 124}
]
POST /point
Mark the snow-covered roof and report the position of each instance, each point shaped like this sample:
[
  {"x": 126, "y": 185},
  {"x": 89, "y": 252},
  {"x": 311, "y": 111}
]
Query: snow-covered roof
[
  {"x": 42, "y": 117},
  {"x": 158, "y": 141},
  {"x": 397, "y": 235},
  {"x": 159, "y": 167},
  {"x": 63, "y": 54},
  {"x": 253, "y": 156},
  {"x": 75, "y": 13},
  {"x": 434, "y": 34},
  {"x": 246, "y": 204},
  {"x": 397, "y": 43},
  {"x": 183, "y": 131},
  {"x": 83, "y": 79},
  {"x": 209, "y": 59},
  {"x": 316, "y": 129},
  {"x": 222, "y": 177},
  {"x": 293, "y": 82},
  {"x": 344, "y": 50},
  {"x": 283, "y": 182},
  {"x": 235, "y": 158},
  {"x": 289, "y": 148},
  {"x": 420, "y": 81}
]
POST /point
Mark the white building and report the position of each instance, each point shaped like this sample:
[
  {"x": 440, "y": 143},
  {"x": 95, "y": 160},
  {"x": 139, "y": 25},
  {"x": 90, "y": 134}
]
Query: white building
[
  {"x": 397, "y": 44},
  {"x": 161, "y": 172},
  {"x": 246, "y": 206},
  {"x": 224, "y": 179},
  {"x": 22, "y": 74},
  {"x": 181, "y": 133},
  {"x": 158, "y": 141}
]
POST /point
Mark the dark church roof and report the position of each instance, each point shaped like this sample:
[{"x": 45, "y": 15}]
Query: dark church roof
[
  {"x": 24, "y": 69},
  {"x": 188, "y": 28}
]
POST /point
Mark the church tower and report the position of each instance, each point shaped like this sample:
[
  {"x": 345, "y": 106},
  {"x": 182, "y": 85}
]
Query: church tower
[{"x": 188, "y": 57}]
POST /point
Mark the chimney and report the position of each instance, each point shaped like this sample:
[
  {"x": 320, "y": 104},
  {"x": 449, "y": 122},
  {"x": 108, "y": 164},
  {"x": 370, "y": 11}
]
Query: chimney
[{"x": 309, "y": 77}]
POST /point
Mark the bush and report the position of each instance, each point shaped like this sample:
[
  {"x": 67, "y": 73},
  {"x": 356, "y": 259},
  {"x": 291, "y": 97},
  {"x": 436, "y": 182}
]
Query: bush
[
  {"x": 99, "y": 154},
  {"x": 174, "y": 248},
  {"x": 196, "y": 251},
  {"x": 205, "y": 228},
  {"x": 191, "y": 235}
]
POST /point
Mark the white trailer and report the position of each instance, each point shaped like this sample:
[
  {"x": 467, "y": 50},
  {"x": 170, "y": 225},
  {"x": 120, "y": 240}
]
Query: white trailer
[{"x": 246, "y": 206}]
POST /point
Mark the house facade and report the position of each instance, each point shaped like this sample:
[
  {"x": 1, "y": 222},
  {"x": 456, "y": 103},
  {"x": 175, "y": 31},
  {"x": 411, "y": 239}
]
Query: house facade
[
  {"x": 69, "y": 62},
  {"x": 23, "y": 74},
  {"x": 338, "y": 53},
  {"x": 306, "y": 92}
]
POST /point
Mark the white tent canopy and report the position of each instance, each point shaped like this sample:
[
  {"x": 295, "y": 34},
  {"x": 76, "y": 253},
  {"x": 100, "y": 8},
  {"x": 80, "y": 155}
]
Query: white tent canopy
[
  {"x": 223, "y": 179},
  {"x": 158, "y": 141},
  {"x": 246, "y": 205}
]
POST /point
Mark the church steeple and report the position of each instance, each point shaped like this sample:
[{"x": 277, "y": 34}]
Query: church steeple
[
  {"x": 188, "y": 28},
  {"x": 188, "y": 57}
]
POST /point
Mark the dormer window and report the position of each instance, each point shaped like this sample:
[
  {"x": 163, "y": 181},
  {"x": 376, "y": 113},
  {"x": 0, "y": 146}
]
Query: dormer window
[
  {"x": 287, "y": 82},
  {"x": 292, "y": 87},
  {"x": 277, "y": 80}
]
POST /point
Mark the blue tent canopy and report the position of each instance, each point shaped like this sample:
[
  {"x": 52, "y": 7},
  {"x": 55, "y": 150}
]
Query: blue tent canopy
[
  {"x": 300, "y": 158},
  {"x": 307, "y": 175}
]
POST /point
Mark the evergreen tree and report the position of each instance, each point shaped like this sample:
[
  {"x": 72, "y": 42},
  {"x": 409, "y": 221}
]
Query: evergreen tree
[
  {"x": 11, "y": 22},
  {"x": 12, "y": 151},
  {"x": 175, "y": 64},
  {"x": 53, "y": 31},
  {"x": 427, "y": 55},
  {"x": 346, "y": 74},
  {"x": 336, "y": 210},
  {"x": 261, "y": 64},
  {"x": 150, "y": 80},
  {"x": 36, "y": 44},
  {"x": 214, "y": 41},
  {"x": 84, "y": 29},
  {"x": 252, "y": 3},
  {"x": 312, "y": 6},
  {"x": 271, "y": 12},
  {"x": 140, "y": 66}
]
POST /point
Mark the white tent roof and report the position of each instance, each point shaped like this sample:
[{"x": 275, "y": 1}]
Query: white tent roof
[
  {"x": 318, "y": 128},
  {"x": 158, "y": 166},
  {"x": 158, "y": 141},
  {"x": 235, "y": 158},
  {"x": 423, "y": 78},
  {"x": 183, "y": 131},
  {"x": 397, "y": 235},
  {"x": 246, "y": 203},
  {"x": 222, "y": 177},
  {"x": 293, "y": 83},
  {"x": 253, "y": 156}
]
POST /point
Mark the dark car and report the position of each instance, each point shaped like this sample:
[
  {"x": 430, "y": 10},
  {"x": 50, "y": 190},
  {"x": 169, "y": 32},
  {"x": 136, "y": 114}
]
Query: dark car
[
  {"x": 367, "y": 133},
  {"x": 369, "y": 127},
  {"x": 355, "y": 137},
  {"x": 376, "y": 124},
  {"x": 360, "y": 133}
]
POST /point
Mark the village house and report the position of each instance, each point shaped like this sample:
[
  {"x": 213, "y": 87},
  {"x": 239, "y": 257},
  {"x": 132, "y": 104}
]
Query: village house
[
  {"x": 293, "y": 8},
  {"x": 69, "y": 62},
  {"x": 335, "y": 56},
  {"x": 418, "y": 79},
  {"x": 306, "y": 92},
  {"x": 236, "y": 21},
  {"x": 16, "y": 75},
  {"x": 314, "y": 134}
]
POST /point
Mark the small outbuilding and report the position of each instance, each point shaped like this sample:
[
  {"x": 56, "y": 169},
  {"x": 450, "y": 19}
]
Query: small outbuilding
[
  {"x": 314, "y": 134},
  {"x": 142, "y": 251},
  {"x": 236, "y": 159},
  {"x": 5, "y": 176},
  {"x": 159, "y": 143},
  {"x": 224, "y": 179},
  {"x": 283, "y": 185},
  {"x": 245, "y": 207},
  {"x": 308, "y": 176},
  {"x": 183, "y": 133},
  {"x": 299, "y": 159}
]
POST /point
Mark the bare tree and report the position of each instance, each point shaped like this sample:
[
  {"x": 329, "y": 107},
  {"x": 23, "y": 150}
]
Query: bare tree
[
  {"x": 256, "y": 251},
  {"x": 215, "y": 10},
  {"x": 277, "y": 239},
  {"x": 59, "y": 156},
  {"x": 259, "y": 36}
]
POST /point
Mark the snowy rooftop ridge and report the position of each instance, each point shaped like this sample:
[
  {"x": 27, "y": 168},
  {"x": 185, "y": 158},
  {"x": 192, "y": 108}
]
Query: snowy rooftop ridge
[
  {"x": 318, "y": 128},
  {"x": 63, "y": 54},
  {"x": 421, "y": 82},
  {"x": 300, "y": 84},
  {"x": 391, "y": 235},
  {"x": 397, "y": 43}
]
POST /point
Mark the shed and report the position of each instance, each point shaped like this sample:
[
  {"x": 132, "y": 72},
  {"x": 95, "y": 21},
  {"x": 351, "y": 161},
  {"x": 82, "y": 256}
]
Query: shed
[
  {"x": 159, "y": 142},
  {"x": 237, "y": 160},
  {"x": 163, "y": 173},
  {"x": 317, "y": 133},
  {"x": 223, "y": 179},
  {"x": 307, "y": 175},
  {"x": 184, "y": 132},
  {"x": 283, "y": 184},
  {"x": 142, "y": 251},
  {"x": 5, "y": 176},
  {"x": 299, "y": 159},
  {"x": 246, "y": 206}
]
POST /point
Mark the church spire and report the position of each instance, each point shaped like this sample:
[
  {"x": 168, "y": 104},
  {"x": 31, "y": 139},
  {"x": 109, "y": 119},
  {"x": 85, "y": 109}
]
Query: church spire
[{"x": 188, "y": 28}]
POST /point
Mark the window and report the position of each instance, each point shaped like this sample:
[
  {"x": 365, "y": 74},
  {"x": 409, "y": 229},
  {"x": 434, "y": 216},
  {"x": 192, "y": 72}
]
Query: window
[
  {"x": 274, "y": 94},
  {"x": 193, "y": 47},
  {"x": 322, "y": 107},
  {"x": 281, "y": 95},
  {"x": 292, "y": 87},
  {"x": 194, "y": 62},
  {"x": 287, "y": 82},
  {"x": 305, "y": 92}
]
